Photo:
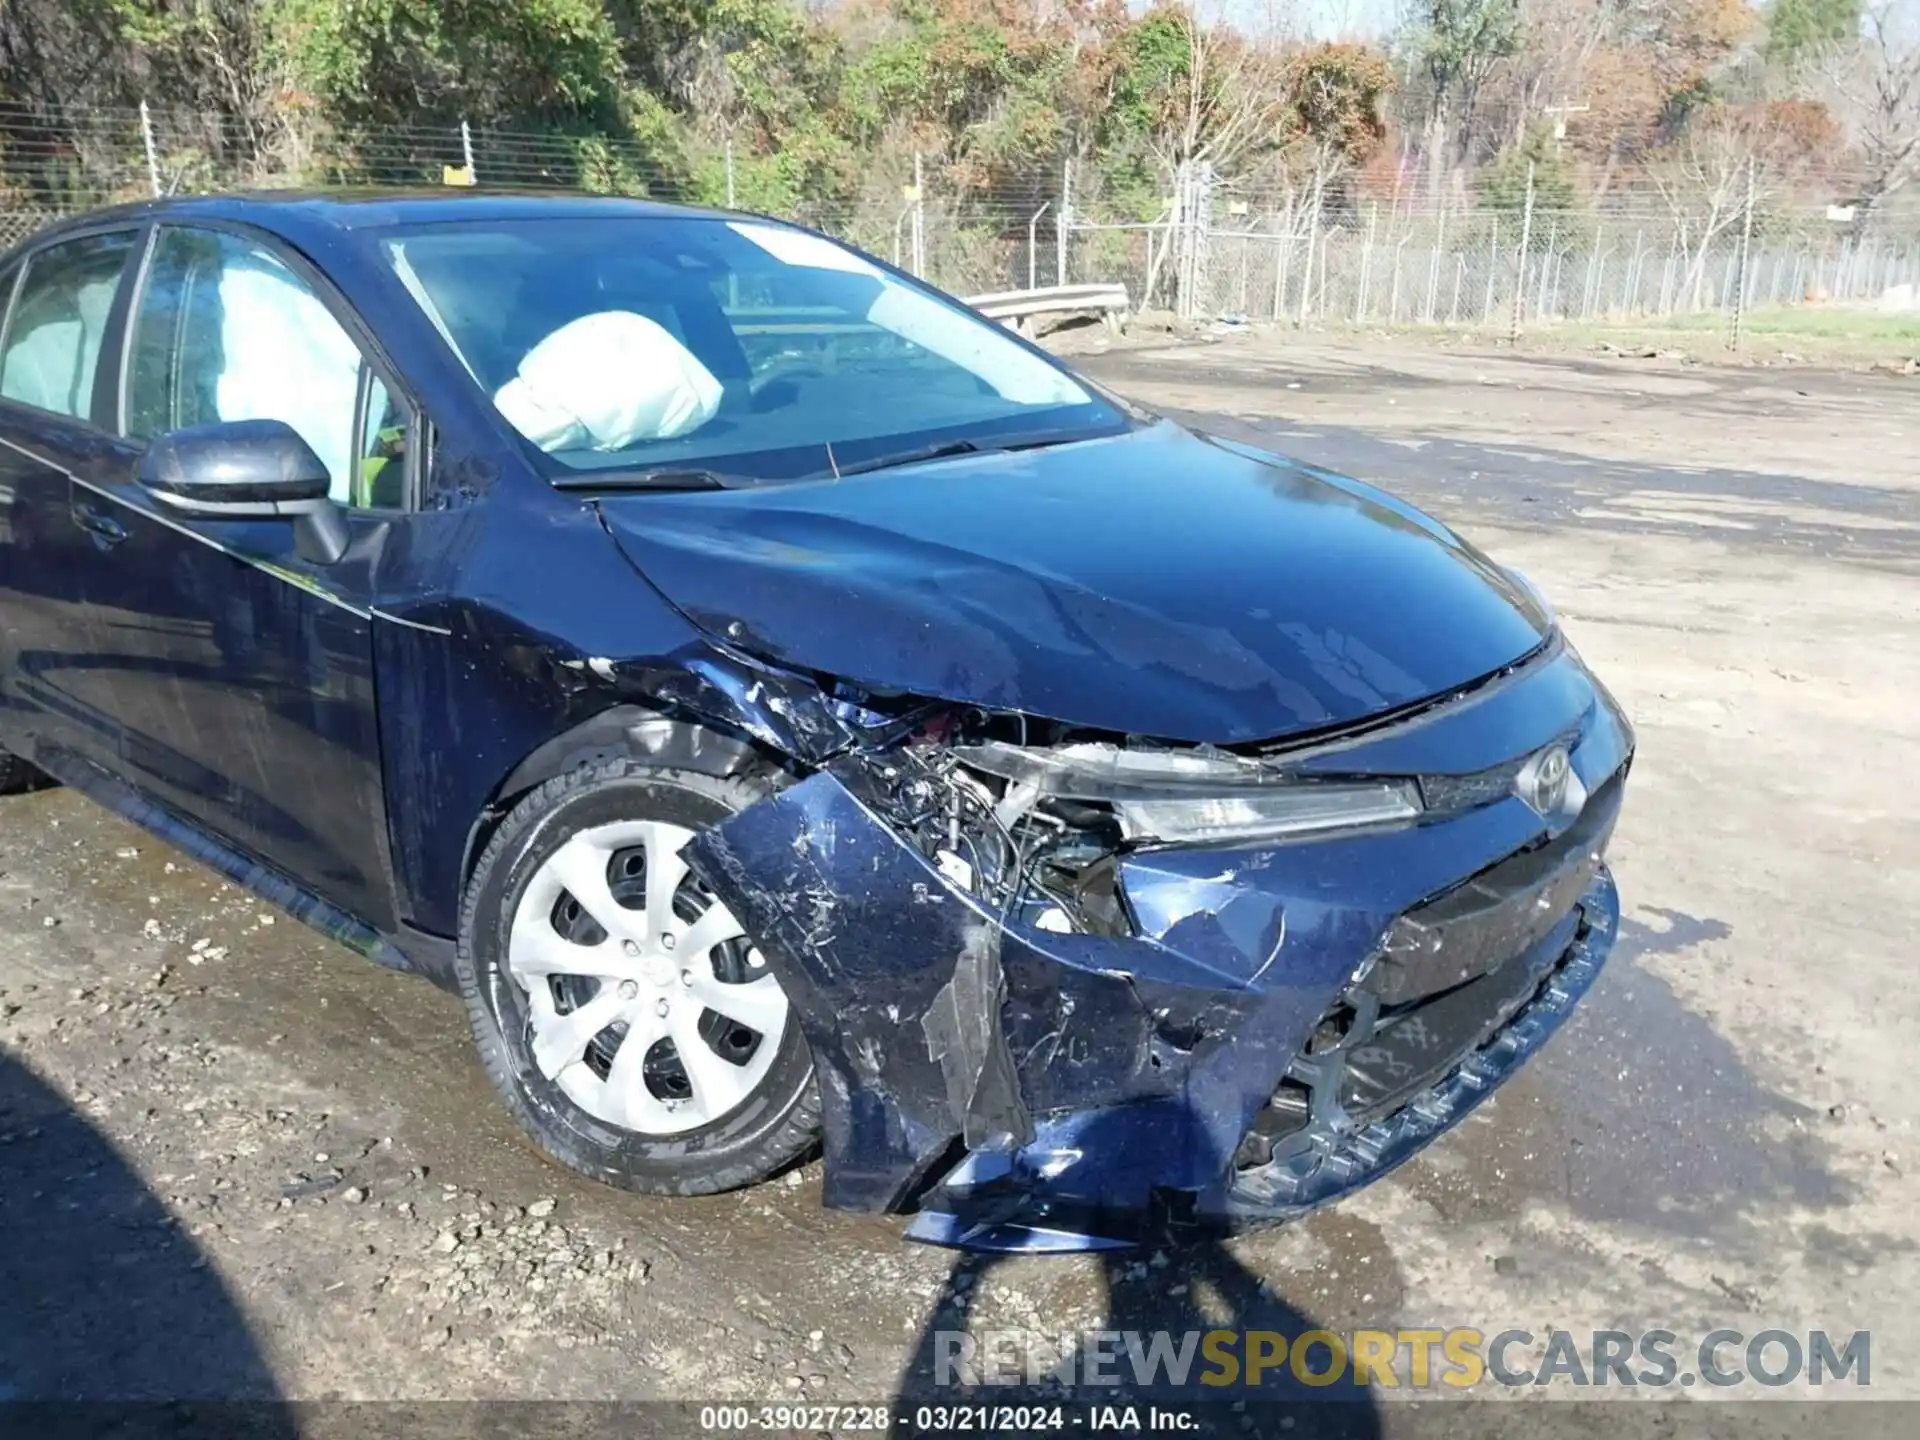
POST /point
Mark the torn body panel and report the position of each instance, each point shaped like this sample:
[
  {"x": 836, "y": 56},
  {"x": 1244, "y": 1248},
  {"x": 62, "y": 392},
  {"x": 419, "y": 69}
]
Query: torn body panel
[
  {"x": 1007, "y": 1079},
  {"x": 873, "y": 945}
]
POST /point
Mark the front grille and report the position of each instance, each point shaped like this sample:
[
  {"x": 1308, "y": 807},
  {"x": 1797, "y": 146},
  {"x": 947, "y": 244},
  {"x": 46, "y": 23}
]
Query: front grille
[
  {"x": 1451, "y": 972},
  {"x": 1313, "y": 1151},
  {"x": 1499, "y": 913},
  {"x": 1366, "y": 1060},
  {"x": 1412, "y": 1045}
]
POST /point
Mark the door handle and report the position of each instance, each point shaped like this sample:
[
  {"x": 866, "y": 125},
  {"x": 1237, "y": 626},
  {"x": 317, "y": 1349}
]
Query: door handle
[{"x": 106, "y": 530}]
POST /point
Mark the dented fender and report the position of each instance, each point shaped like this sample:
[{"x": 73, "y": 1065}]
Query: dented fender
[{"x": 934, "y": 1024}]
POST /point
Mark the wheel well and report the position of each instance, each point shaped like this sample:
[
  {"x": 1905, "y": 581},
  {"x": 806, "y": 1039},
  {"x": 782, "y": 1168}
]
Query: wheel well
[{"x": 630, "y": 731}]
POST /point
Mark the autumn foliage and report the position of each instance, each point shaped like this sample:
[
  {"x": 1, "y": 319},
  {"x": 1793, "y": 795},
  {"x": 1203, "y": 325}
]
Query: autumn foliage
[{"x": 799, "y": 103}]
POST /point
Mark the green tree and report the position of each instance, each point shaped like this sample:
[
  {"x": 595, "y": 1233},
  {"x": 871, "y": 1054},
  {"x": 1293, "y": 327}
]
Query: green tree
[
  {"x": 1503, "y": 184},
  {"x": 404, "y": 62},
  {"x": 1798, "y": 28}
]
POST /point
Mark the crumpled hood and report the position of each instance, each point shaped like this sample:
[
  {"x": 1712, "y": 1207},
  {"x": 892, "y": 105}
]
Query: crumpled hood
[{"x": 1155, "y": 583}]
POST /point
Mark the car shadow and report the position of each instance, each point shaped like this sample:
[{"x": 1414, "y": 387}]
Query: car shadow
[
  {"x": 107, "y": 1303},
  {"x": 1176, "y": 1292}
]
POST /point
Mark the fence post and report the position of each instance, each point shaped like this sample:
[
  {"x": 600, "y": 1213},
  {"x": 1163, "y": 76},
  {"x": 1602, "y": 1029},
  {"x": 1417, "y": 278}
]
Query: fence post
[
  {"x": 1433, "y": 263},
  {"x": 1061, "y": 221},
  {"x": 1313, "y": 239},
  {"x": 730, "y": 204},
  {"x": 1526, "y": 239},
  {"x": 1589, "y": 288},
  {"x": 919, "y": 217},
  {"x": 153, "y": 155},
  {"x": 1366, "y": 266},
  {"x": 1548, "y": 291},
  {"x": 1493, "y": 268},
  {"x": 1740, "y": 285},
  {"x": 1174, "y": 247},
  {"x": 1187, "y": 261},
  {"x": 1170, "y": 241},
  {"x": 1033, "y": 246},
  {"x": 1195, "y": 235},
  {"x": 1283, "y": 251}
]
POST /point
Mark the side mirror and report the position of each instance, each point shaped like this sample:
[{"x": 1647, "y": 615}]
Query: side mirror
[{"x": 247, "y": 470}]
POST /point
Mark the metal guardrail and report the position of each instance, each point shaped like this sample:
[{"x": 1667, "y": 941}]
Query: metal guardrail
[{"x": 1019, "y": 308}]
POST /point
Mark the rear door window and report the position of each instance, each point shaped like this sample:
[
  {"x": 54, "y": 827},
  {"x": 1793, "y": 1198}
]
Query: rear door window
[{"x": 51, "y": 352}]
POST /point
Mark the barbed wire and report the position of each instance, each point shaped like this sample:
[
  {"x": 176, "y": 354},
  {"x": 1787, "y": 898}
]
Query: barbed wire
[
  {"x": 106, "y": 145},
  {"x": 1347, "y": 245}
]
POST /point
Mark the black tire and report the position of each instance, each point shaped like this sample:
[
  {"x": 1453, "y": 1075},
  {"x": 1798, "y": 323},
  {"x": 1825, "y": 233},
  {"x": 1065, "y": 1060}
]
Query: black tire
[
  {"x": 776, "y": 1125},
  {"x": 16, "y": 775}
]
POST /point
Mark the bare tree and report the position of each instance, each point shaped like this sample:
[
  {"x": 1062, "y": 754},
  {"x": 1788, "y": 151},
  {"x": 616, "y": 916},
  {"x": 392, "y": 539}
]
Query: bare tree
[
  {"x": 1702, "y": 177},
  {"x": 1874, "y": 87},
  {"x": 1727, "y": 156},
  {"x": 1554, "y": 52},
  {"x": 1229, "y": 101}
]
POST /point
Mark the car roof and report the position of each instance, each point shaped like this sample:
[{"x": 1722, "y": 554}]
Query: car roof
[{"x": 299, "y": 214}]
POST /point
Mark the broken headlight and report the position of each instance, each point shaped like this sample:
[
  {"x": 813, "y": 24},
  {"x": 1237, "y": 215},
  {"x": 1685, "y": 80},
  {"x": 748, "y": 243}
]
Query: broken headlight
[
  {"x": 1270, "y": 814},
  {"x": 1194, "y": 796}
]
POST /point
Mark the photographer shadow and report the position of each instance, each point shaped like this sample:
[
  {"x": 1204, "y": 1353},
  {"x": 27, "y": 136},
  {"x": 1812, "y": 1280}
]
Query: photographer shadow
[
  {"x": 114, "y": 1321},
  {"x": 1178, "y": 1291}
]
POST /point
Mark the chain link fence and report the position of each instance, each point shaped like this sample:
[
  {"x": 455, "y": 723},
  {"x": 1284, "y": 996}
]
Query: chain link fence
[
  {"x": 1639, "y": 256},
  {"x": 1495, "y": 270},
  {"x": 1212, "y": 250}
]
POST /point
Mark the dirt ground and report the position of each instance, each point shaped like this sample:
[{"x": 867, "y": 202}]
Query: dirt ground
[{"x": 236, "y": 1160}]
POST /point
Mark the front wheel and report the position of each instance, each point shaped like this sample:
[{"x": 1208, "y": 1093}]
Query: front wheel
[{"x": 620, "y": 1009}]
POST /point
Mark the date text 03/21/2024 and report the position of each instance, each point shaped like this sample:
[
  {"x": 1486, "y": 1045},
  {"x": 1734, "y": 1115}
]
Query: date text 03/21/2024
[{"x": 987, "y": 1419}]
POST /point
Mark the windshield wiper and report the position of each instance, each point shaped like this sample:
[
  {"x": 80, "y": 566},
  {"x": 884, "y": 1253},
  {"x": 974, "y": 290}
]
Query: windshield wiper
[
  {"x": 667, "y": 477},
  {"x": 663, "y": 479},
  {"x": 941, "y": 449},
  {"x": 914, "y": 457}
]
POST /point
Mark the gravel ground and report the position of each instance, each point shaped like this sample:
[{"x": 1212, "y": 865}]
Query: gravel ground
[{"x": 238, "y": 1161}]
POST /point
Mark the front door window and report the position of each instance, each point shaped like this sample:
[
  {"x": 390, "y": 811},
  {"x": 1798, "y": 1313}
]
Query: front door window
[{"x": 225, "y": 331}]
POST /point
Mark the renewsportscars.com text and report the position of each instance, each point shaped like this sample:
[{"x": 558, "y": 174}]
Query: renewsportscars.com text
[{"x": 1457, "y": 1358}]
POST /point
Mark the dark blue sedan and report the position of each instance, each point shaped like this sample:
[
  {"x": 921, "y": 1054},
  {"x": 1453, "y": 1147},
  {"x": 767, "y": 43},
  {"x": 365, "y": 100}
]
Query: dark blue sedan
[{"x": 790, "y": 710}]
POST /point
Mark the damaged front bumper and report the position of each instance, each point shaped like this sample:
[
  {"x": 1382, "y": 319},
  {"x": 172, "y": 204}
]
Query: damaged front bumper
[{"x": 1283, "y": 1023}]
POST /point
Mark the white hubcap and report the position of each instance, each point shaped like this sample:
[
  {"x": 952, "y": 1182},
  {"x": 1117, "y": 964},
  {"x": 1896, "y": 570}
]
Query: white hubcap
[{"x": 654, "y": 976}]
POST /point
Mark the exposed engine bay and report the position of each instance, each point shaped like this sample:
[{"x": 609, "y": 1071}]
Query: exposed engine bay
[{"x": 1047, "y": 860}]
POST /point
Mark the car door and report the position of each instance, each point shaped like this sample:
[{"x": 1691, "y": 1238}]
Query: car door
[
  {"x": 240, "y": 673},
  {"x": 55, "y": 422}
]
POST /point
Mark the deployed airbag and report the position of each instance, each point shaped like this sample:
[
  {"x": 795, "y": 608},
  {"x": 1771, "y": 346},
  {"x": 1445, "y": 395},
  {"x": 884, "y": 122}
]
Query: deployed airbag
[
  {"x": 284, "y": 357},
  {"x": 607, "y": 381}
]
